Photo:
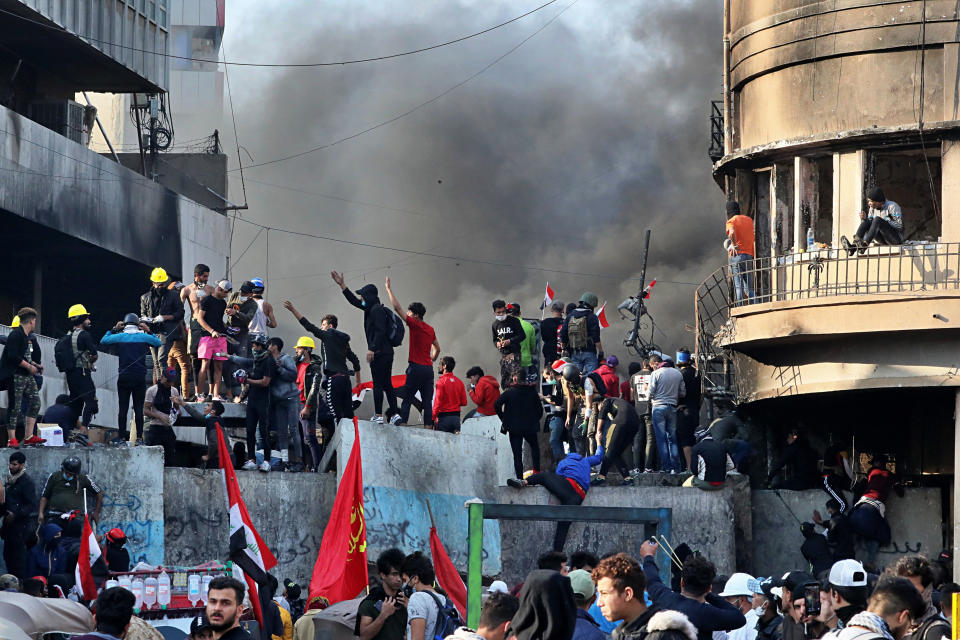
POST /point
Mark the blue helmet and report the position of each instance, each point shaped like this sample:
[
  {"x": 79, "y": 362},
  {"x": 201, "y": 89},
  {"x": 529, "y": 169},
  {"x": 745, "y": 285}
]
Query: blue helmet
[{"x": 257, "y": 283}]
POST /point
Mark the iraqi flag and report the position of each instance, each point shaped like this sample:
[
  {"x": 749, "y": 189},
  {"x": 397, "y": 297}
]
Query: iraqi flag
[
  {"x": 340, "y": 572},
  {"x": 548, "y": 297},
  {"x": 361, "y": 389},
  {"x": 89, "y": 556},
  {"x": 602, "y": 316},
  {"x": 447, "y": 575},
  {"x": 247, "y": 549}
]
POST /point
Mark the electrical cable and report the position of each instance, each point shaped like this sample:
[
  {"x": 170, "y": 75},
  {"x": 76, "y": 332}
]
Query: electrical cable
[
  {"x": 456, "y": 259},
  {"x": 337, "y": 63},
  {"x": 419, "y": 106},
  {"x": 236, "y": 137}
]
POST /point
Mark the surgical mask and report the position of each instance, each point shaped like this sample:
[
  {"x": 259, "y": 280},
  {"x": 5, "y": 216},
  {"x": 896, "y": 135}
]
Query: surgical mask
[
  {"x": 243, "y": 299},
  {"x": 66, "y": 477},
  {"x": 501, "y": 317},
  {"x": 760, "y": 609},
  {"x": 208, "y": 415}
]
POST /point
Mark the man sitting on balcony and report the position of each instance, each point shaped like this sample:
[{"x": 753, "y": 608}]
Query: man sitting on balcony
[
  {"x": 741, "y": 251},
  {"x": 883, "y": 222}
]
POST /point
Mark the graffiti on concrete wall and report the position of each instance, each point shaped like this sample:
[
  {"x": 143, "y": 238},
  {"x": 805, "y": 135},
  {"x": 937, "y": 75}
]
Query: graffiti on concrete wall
[
  {"x": 399, "y": 518},
  {"x": 144, "y": 534}
]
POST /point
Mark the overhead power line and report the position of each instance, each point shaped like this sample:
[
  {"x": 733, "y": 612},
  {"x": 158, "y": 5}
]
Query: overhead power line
[
  {"x": 456, "y": 259},
  {"x": 419, "y": 106},
  {"x": 333, "y": 63}
]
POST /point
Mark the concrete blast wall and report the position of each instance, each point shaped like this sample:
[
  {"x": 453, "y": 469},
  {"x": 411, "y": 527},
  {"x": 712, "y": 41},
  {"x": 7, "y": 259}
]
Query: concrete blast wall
[
  {"x": 133, "y": 497},
  {"x": 915, "y": 523}
]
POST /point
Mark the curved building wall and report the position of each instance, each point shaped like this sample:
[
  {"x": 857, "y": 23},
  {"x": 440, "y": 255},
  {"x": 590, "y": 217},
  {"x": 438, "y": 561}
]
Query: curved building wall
[{"x": 802, "y": 68}]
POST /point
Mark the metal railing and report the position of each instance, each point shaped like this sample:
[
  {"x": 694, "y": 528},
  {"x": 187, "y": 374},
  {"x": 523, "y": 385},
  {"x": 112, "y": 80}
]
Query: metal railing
[
  {"x": 716, "y": 130},
  {"x": 821, "y": 273},
  {"x": 833, "y": 272}
]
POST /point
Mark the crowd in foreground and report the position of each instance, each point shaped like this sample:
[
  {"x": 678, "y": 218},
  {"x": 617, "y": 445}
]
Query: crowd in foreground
[{"x": 590, "y": 598}]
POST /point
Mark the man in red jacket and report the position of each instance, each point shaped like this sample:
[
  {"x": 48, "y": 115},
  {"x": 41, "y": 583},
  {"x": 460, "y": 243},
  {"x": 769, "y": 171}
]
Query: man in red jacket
[
  {"x": 484, "y": 391},
  {"x": 608, "y": 371},
  {"x": 448, "y": 397}
]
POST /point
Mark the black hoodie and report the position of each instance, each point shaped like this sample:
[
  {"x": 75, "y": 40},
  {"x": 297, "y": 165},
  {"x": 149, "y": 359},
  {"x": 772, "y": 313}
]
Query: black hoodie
[
  {"x": 547, "y": 609},
  {"x": 509, "y": 329},
  {"x": 334, "y": 348},
  {"x": 375, "y": 317}
]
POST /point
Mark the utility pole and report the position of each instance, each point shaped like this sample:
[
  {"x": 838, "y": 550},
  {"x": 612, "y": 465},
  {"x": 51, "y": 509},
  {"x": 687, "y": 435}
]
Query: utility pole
[
  {"x": 154, "y": 114},
  {"x": 641, "y": 307}
]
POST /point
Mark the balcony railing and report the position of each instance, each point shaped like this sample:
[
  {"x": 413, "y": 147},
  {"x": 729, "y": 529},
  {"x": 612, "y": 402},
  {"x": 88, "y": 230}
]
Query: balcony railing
[{"x": 822, "y": 273}]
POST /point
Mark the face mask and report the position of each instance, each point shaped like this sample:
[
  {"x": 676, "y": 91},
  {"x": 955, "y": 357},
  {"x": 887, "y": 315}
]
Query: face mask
[
  {"x": 208, "y": 415},
  {"x": 243, "y": 298},
  {"x": 759, "y": 610},
  {"x": 363, "y": 303},
  {"x": 501, "y": 317},
  {"x": 66, "y": 477}
]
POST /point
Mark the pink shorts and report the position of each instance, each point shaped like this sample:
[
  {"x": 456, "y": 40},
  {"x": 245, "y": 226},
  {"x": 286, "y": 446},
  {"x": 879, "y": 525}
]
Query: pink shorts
[{"x": 209, "y": 346}]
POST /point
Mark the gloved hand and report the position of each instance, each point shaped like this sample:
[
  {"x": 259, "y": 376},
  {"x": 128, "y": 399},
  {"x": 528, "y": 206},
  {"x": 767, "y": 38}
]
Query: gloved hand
[{"x": 158, "y": 319}]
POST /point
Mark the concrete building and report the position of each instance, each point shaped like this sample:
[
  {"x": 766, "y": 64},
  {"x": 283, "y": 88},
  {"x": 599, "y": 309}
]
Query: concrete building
[
  {"x": 822, "y": 102},
  {"x": 79, "y": 227}
]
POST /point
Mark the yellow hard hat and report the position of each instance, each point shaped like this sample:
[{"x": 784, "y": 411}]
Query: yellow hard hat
[
  {"x": 158, "y": 275},
  {"x": 16, "y": 322},
  {"x": 306, "y": 341},
  {"x": 77, "y": 310}
]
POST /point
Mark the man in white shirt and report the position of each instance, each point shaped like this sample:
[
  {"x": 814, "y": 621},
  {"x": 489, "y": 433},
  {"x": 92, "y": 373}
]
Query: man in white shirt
[{"x": 738, "y": 593}]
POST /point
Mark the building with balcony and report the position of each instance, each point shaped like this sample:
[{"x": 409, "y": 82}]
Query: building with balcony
[
  {"x": 78, "y": 226},
  {"x": 822, "y": 102}
]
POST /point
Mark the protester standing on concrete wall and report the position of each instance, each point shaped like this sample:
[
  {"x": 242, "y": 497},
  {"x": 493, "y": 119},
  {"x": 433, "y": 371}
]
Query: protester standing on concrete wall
[
  {"x": 666, "y": 389},
  {"x": 580, "y": 334},
  {"x": 450, "y": 397},
  {"x": 19, "y": 366},
  {"x": 508, "y": 336},
  {"x": 520, "y": 411},
  {"x": 83, "y": 393},
  {"x": 131, "y": 343},
  {"x": 162, "y": 309},
  {"x": 424, "y": 349}
]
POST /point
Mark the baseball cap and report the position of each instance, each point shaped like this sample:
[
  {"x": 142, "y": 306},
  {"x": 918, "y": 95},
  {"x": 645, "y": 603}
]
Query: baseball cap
[
  {"x": 755, "y": 585},
  {"x": 793, "y": 582},
  {"x": 737, "y": 585},
  {"x": 198, "y": 624},
  {"x": 246, "y": 287},
  {"x": 612, "y": 361},
  {"x": 171, "y": 374},
  {"x": 498, "y": 586},
  {"x": 226, "y": 285},
  {"x": 9, "y": 581},
  {"x": 582, "y": 584},
  {"x": 847, "y": 573},
  {"x": 558, "y": 365}
]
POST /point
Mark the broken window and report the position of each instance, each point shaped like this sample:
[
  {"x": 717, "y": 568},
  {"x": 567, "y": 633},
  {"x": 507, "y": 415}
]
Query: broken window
[{"x": 911, "y": 178}]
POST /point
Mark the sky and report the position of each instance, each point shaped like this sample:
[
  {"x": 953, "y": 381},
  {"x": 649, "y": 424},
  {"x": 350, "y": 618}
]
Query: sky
[{"x": 547, "y": 166}]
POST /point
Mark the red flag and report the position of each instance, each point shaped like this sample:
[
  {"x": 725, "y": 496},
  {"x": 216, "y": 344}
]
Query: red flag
[
  {"x": 447, "y": 575},
  {"x": 88, "y": 556},
  {"x": 247, "y": 549},
  {"x": 648, "y": 290},
  {"x": 340, "y": 572},
  {"x": 602, "y": 316}
]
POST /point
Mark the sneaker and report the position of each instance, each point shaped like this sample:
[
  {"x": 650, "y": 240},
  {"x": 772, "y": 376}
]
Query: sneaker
[
  {"x": 513, "y": 482},
  {"x": 847, "y": 245},
  {"x": 377, "y": 420},
  {"x": 628, "y": 481},
  {"x": 34, "y": 440},
  {"x": 635, "y": 472},
  {"x": 200, "y": 398},
  {"x": 13, "y": 443},
  {"x": 265, "y": 466},
  {"x": 295, "y": 468},
  {"x": 222, "y": 398},
  {"x": 395, "y": 420},
  {"x": 598, "y": 482},
  {"x": 649, "y": 471},
  {"x": 249, "y": 465}
]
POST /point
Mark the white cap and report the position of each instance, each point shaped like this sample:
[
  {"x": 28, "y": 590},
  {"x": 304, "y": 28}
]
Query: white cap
[
  {"x": 848, "y": 573},
  {"x": 737, "y": 585},
  {"x": 498, "y": 586}
]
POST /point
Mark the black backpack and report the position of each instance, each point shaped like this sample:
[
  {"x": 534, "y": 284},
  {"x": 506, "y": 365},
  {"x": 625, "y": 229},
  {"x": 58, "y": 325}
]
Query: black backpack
[
  {"x": 63, "y": 354},
  {"x": 448, "y": 618},
  {"x": 395, "y": 327}
]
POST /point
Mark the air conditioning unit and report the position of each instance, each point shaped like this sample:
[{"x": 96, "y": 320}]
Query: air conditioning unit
[{"x": 66, "y": 117}]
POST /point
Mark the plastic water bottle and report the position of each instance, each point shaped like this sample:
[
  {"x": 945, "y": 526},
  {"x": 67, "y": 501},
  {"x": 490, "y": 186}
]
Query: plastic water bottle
[
  {"x": 193, "y": 589},
  {"x": 811, "y": 244},
  {"x": 111, "y": 583},
  {"x": 150, "y": 592},
  {"x": 137, "y": 588},
  {"x": 205, "y": 587},
  {"x": 163, "y": 590},
  {"x": 124, "y": 582}
]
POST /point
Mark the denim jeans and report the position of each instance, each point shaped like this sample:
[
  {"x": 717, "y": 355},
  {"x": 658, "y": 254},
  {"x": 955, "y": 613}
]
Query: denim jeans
[
  {"x": 741, "y": 270},
  {"x": 556, "y": 437},
  {"x": 665, "y": 425},
  {"x": 586, "y": 361}
]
